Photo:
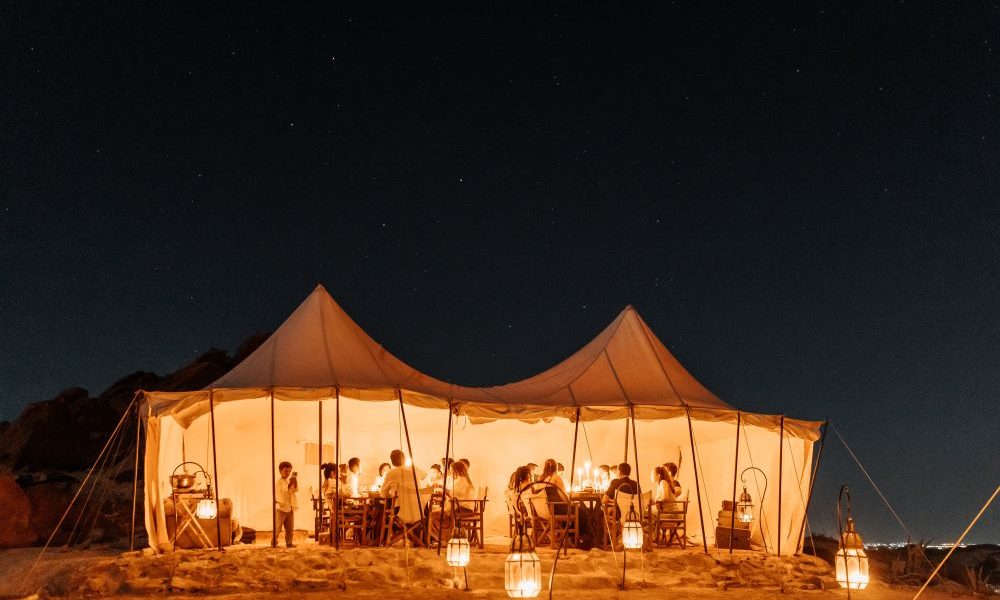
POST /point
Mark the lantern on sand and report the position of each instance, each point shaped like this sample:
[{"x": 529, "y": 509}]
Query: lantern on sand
[
  {"x": 632, "y": 530},
  {"x": 458, "y": 550},
  {"x": 851, "y": 561},
  {"x": 522, "y": 569}
]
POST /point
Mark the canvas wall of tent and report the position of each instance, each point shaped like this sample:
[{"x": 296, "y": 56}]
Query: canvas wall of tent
[{"x": 319, "y": 358}]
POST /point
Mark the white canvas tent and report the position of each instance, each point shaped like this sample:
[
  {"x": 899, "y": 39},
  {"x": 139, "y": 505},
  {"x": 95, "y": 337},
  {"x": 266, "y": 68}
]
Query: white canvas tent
[{"x": 320, "y": 364}]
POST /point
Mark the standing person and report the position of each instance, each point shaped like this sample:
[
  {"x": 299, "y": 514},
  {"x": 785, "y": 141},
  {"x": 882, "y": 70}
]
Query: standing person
[
  {"x": 354, "y": 476},
  {"x": 285, "y": 503}
]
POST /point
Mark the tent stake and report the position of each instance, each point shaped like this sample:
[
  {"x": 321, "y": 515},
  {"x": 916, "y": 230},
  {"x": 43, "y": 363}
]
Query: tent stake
[
  {"x": 444, "y": 484},
  {"x": 812, "y": 483},
  {"x": 413, "y": 465},
  {"x": 135, "y": 479},
  {"x": 736, "y": 467},
  {"x": 274, "y": 494},
  {"x": 215, "y": 470},
  {"x": 697, "y": 486},
  {"x": 336, "y": 501},
  {"x": 781, "y": 461}
]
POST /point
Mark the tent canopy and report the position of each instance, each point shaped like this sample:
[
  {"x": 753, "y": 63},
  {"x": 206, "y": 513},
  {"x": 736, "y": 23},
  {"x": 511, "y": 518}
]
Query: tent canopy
[{"x": 320, "y": 352}]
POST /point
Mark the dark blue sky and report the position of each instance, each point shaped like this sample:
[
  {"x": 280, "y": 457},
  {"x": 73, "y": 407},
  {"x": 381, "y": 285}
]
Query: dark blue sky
[{"x": 802, "y": 201}]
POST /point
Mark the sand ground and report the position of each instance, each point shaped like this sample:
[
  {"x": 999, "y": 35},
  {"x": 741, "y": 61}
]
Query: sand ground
[{"x": 582, "y": 573}]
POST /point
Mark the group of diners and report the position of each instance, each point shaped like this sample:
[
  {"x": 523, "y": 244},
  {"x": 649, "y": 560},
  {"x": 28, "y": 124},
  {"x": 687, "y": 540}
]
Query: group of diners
[
  {"x": 396, "y": 477},
  {"x": 608, "y": 479}
]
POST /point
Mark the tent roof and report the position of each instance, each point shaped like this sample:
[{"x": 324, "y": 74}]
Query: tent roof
[{"x": 320, "y": 351}]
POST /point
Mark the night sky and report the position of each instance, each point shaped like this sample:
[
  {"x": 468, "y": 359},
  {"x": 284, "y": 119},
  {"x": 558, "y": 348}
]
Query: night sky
[{"x": 803, "y": 202}]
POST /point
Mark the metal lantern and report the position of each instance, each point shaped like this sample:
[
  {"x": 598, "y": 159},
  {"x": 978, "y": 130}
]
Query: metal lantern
[
  {"x": 522, "y": 569},
  {"x": 744, "y": 508},
  {"x": 207, "y": 509},
  {"x": 632, "y": 530},
  {"x": 458, "y": 550},
  {"x": 851, "y": 561}
]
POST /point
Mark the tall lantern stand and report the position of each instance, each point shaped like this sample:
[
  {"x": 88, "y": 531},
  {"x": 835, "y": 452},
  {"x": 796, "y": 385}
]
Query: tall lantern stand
[
  {"x": 632, "y": 537},
  {"x": 851, "y": 561},
  {"x": 523, "y": 568},
  {"x": 459, "y": 551},
  {"x": 744, "y": 508}
]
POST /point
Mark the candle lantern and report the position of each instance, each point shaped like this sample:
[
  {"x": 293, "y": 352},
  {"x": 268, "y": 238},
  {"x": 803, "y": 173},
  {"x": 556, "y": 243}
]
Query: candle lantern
[
  {"x": 459, "y": 550},
  {"x": 632, "y": 530},
  {"x": 851, "y": 561},
  {"x": 207, "y": 509},
  {"x": 522, "y": 569},
  {"x": 744, "y": 508}
]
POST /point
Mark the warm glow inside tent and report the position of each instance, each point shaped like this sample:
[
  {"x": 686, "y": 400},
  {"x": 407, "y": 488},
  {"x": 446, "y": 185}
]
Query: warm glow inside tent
[{"x": 320, "y": 359}]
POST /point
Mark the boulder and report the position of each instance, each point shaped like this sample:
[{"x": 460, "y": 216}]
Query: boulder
[{"x": 15, "y": 526}]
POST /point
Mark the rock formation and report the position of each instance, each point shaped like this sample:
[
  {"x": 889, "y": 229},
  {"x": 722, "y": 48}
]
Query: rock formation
[{"x": 46, "y": 452}]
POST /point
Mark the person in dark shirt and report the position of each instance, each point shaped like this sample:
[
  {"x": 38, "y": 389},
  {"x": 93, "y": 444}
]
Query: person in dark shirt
[{"x": 624, "y": 483}]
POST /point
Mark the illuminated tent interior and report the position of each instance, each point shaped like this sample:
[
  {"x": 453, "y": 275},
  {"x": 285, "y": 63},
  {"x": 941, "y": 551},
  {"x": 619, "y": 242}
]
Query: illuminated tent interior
[{"x": 320, "y": 358}]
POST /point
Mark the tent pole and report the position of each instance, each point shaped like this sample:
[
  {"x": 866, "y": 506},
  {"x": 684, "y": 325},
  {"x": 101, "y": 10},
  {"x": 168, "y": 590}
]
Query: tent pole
[
  {"x": 812, "y": 482},
  {"x": 626, "y": 446},
  {"x": 781, "y": 461},
  {"x": 413, "y": 463},
  {"x": 736, "y": 467},
  {"x": 135, "y": 478},
  {"x": 274, "y": 496},
  {"x": 444, "y": 484},
  {"x": 638, "y": 485},
  {"x": 697, "y": 486},
  {"x": 572, "y": 473},
  {"x": 336, "y": 500},
  {"x": 322, "y": 499},
  {"x": 215, "y": 470}
]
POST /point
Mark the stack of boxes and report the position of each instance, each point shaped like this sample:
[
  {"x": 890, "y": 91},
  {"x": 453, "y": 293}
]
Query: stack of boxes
[{"x": 731, "y": 529}]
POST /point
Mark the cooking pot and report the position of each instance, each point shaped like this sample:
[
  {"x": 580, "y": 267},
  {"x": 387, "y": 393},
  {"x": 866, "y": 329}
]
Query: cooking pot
[{"x": 184, "y": 481}]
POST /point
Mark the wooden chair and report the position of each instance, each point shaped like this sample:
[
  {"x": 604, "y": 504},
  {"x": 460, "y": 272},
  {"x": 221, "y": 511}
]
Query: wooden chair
[
  {"x": 386, "y": 520},
  {"x": 353, "y": 520},
  {"x": 469, "y": 516},
  {"x": 515, "y": 513},
  {"x": 564, "y": 519},
  {"x": 671, "y": 524},
  {"x": 541, "y": 518}
]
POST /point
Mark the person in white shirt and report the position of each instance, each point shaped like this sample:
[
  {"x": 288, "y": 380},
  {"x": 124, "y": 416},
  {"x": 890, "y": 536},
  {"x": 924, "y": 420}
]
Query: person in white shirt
[
  {"x": 434, "y": 478},
  {"x": 400, "y": 482},
  {"x": 285, "y": 503},
  {"x": 459, "y": 485},
  {"x": 354, "y": 476}
]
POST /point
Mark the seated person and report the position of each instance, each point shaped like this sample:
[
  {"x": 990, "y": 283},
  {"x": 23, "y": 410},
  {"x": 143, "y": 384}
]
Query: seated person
[
  {"x": 354, "y": 476},
  {"x": 603, "y": 478},
  {"x": 434, "y": 478},
  {"x": 460, "y": 485},
  {"x": 550, "y": 474},
  {"x": 671, "y": 488},
  {"x": 400, "y": 482},
  {"x": 380, "y": 478},
  {"x": 623, "y": 483}
]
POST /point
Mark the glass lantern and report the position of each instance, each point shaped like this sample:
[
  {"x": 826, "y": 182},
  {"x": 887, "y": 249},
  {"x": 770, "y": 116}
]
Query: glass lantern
[
  {"x": 851, "y": 560},
  {"x": 632, "y": 531},
  {"x": 458, "y": 550},
  {"x": 207, "y": 509},
  {"x": 522, "y": 569},
  {"x": 744, "y": 508}
]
